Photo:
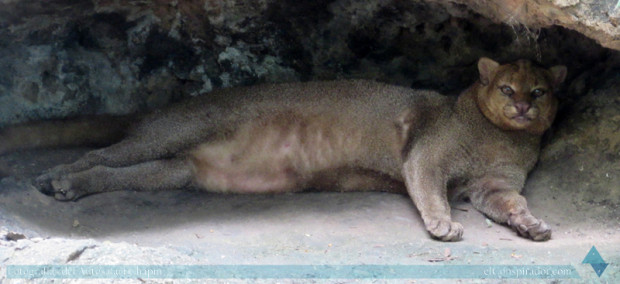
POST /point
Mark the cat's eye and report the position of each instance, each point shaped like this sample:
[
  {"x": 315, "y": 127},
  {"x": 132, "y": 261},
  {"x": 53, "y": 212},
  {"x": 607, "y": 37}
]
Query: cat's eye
[
  {"x": 538, "y": 93},
  {"x": 508, "y": 91}
]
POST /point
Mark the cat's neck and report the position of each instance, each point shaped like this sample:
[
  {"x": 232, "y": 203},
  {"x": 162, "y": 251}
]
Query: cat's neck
[{"x": 467, "y": 107}]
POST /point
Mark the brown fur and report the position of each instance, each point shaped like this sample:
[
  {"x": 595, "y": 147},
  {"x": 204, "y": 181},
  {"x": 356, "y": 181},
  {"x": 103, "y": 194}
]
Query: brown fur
[{"x": 343, "y": 135}]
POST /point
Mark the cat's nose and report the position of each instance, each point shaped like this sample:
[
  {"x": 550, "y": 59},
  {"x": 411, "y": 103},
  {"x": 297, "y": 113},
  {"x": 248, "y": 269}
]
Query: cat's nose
[{"x": 522, "y": 107}]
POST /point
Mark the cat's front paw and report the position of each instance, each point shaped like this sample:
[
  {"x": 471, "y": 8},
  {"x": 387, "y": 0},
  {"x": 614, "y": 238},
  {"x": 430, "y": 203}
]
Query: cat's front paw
[
  {"x": 445, "y": 230},
  {"x": 530, "y": 227}
]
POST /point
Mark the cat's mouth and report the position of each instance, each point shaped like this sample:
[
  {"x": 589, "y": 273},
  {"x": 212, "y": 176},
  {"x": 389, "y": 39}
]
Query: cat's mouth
[{"x": 521, "y": 119}]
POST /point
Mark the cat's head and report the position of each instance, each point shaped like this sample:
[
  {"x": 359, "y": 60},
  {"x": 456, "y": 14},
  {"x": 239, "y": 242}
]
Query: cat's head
[{"x": 519, "y": 95}]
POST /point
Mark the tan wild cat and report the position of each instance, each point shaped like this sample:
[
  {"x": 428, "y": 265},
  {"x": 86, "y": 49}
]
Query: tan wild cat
[{"x": 342, "y": 135}]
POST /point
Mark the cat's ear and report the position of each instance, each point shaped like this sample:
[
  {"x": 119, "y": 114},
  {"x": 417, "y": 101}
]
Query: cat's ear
[
  {"x": 558, "y": 74},
  {"x": 486, "y": 67}
]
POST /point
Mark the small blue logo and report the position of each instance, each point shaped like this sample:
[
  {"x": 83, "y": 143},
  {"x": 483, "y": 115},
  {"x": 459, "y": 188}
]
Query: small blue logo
[{"x": 596, "y": 261}]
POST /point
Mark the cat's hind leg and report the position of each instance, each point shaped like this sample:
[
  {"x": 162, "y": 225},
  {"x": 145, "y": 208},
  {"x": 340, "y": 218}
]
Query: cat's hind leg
[
  {"x": 125, "y": 153},
  {"x": 154, "y": 175}
]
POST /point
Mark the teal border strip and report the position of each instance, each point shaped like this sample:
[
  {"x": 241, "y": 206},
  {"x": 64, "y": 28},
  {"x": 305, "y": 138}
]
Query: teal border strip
[{"x": 291, "y": 272}]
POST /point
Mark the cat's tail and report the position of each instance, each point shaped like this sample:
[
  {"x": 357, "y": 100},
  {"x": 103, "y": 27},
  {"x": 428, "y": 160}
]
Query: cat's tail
[{"x": 84, "y": 131}]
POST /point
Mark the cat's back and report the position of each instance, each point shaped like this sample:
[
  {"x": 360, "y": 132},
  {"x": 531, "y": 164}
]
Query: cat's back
[{"x": 340, "y": 95}]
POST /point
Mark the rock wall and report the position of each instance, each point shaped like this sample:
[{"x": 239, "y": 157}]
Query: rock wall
[
  {"x": 582, "y": 159},
  {"x": 65, "y": 58},
  {"x": 597, "y": 19}
]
